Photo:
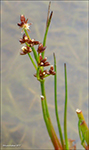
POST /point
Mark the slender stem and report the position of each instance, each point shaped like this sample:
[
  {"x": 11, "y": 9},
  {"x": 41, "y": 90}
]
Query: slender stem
[
  {"x": 27, "y": 34},
  {"x": 49, "y": 126},
  {"x": 32, "y": 61},
  {"x": 65, "y": 111},
  {"x": 35, "y": 54},
  {"x": 45, "y": 37},
  {"x": 49, "y": 17},
  {"x": 31, "y": 58},
  {"x": 56, "y": 108},
  {"x": 33, "y": 49},
  {"x": 43, "y": 93},
  {"x": 48, "y": 13}
]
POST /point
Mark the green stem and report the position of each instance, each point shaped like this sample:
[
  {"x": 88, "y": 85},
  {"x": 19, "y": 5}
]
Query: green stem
[
  {"x": 43, "y": 93},
  {"x": 31, "y": 58},
  {"x": 32, "y": 61},
  {"x": 65, "y": 111},
  {"x": 33, "y": 49},
  {"x": 56, "y": 108},
  {"x": 49, "y": 126},
  {"x": 47, "y": 26},
  {"x": 27, "y": 34},
  {"x": 82, "y": 128},
  {"x": 44, "y": 41},
  {"x": 35, "y": 54}
]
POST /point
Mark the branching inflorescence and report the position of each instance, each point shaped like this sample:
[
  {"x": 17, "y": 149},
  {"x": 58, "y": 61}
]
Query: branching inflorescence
[
  {"x": 30, "y": 43},
  {"x": 40, "y": 64}
]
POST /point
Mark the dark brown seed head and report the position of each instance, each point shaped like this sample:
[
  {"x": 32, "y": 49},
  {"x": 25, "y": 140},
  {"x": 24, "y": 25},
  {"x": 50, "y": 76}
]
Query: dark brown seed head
[
  {"x": 32, "y": 42},
  {"x": 46, "y": 64},
  {"x": 41, "y": 48},
  {"x": 52, "y": 72},
  {"x": 24, "y": 23},
  {"x": 25, "y": 50},
  {"x": 24, "y": 39}
]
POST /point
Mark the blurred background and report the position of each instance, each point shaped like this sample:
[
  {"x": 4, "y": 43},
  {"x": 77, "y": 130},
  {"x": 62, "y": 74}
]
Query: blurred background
[{"x": 21, "y": 113}]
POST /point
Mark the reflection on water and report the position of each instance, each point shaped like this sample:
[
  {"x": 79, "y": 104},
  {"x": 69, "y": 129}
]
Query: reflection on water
[{"x": 22, "y": 120}]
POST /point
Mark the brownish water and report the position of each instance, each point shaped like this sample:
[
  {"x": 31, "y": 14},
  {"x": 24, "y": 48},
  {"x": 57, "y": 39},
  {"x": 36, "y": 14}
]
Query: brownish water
[{"x": 22, "y": 120}]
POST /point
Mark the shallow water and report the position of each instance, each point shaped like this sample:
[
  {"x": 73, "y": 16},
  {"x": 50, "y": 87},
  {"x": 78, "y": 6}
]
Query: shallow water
[{"x": 22, "y": 120}]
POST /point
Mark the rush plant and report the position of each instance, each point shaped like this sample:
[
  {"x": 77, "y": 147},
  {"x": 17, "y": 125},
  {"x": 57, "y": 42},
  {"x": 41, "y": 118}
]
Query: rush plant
[{"x": 41, "y": 74}]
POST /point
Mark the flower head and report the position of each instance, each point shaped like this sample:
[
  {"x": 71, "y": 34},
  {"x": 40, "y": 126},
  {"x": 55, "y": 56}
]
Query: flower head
[
  {"x": 51, "y": 70},
  {"x": 32, "y": 42},
  {"x": 24, "y": 39},
  {"x": 24, "y": 23},
  {"x": 43, "y": 62},
  {"x": 41, "y": 48},
  {"x": 25, "y": 50}
]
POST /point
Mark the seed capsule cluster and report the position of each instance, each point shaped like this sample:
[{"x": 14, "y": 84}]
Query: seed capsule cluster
[{"x": 42, "y": 62}]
